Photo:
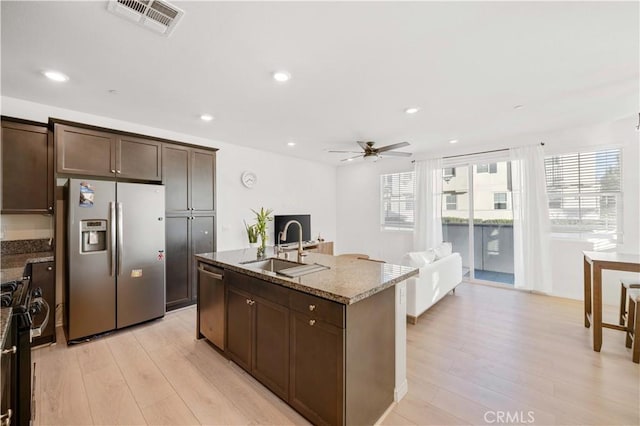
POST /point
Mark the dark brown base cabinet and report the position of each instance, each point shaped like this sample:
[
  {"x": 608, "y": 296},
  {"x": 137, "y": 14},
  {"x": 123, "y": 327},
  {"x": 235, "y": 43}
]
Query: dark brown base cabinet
[
  {"x": 317, "y": 369},
  {"x": 334, "y": 364},
  {"x": 258, "y": 329}
]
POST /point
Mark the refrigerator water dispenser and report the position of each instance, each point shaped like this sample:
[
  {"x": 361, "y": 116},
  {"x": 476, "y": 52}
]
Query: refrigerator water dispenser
[{"x": 93, "y": 236}]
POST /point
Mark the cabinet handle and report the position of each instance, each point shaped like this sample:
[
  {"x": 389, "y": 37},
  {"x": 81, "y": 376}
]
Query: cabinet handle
[
  {"x": 113, "y": 170},
  {"x": 50, "y": 208},
  {"x": 12, "y": 350},
  {"x": 211, "y": 274},
  {"x": 253, "y": 302},
  {"x": 250, "y": 302},
  {"x": 118, "y": 171},
  {"x": 312, "y": 322},
  {"x": 312, "y": 307},
  {"x": 49, "y": 268}
]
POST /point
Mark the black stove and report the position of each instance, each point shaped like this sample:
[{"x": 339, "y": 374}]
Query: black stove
[
  {"x": 11, "y": 292},
  {"x": 26, "y": 303}
]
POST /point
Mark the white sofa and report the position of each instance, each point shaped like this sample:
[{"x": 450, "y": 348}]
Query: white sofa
[{"x": 436, "y": 279}]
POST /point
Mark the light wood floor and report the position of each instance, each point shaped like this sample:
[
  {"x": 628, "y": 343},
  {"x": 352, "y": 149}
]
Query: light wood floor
[{"x": 479, "y": 352}]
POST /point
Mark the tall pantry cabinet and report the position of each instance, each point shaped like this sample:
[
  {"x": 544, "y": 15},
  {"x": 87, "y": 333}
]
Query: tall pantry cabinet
[{"x": 189, "y": 176}]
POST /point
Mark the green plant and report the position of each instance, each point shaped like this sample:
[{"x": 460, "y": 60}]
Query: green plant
[
  {"x": 262, "y": 218},
  {"x": 252, "y": 232}
]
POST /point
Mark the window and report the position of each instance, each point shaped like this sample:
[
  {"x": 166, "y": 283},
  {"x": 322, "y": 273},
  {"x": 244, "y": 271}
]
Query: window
[
  {"x": 499, "y": 200},
  {"x": 448, "y": 173},
  {"x": 584, "y": 191},
  {"x": 451, "y": 202},
  {"x": 397, "y": 198},
  {"x": 487, "y": 168}
]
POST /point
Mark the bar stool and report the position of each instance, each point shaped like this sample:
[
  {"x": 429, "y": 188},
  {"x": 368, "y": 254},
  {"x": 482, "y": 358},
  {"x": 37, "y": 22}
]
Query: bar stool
[
  {"x": 625, "y": 284},
  {"x": 633, "y": 325}
]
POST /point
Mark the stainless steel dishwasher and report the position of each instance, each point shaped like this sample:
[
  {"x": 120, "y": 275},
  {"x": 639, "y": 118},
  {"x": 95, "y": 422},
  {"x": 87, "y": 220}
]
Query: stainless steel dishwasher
[{"x": 211, "y": 318}]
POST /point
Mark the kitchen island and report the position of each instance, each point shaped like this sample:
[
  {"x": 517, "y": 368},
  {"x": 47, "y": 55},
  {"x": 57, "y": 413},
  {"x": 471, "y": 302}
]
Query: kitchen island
[{"x": 331, "y": 343}]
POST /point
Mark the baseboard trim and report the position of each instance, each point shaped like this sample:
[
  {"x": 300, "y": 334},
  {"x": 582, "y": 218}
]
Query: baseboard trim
[{"x": 401, "y": 391}]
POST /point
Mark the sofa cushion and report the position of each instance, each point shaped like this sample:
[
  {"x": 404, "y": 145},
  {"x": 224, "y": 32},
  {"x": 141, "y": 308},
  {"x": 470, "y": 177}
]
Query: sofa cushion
[
  {"x": 418, "y": 259},
  {"x": 443, "y": 250}
]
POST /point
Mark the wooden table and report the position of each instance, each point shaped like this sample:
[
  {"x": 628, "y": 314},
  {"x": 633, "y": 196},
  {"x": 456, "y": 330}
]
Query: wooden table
[{"x": 594, "y": 263}]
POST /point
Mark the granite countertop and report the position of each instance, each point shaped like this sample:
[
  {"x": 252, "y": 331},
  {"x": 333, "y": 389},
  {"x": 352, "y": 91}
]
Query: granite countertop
[
  {"x": 347, "y": 281},
  {"x": 5, "y": 319},
  {"x": 12, "y": 265}
]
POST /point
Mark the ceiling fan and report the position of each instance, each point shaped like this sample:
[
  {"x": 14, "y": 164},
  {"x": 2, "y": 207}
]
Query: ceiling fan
[{"x": 372, "y": 154}]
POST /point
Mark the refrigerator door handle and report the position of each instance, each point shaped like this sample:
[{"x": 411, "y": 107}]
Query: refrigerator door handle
[
  {"x": 112, "y": 217},
  {"x": 120, "y": 241}
]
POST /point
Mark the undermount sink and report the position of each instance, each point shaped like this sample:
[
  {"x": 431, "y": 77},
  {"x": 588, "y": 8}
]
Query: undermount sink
[{"x": 285, "y": 267}]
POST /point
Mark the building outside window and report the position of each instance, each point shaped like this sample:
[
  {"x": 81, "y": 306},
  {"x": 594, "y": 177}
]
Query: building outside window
[
  {"x": 451, "y": 202},
  {"x": 487, "y": 168},
  {"x": 500, "y": 201},
  {"x": 585, "y": 193}
]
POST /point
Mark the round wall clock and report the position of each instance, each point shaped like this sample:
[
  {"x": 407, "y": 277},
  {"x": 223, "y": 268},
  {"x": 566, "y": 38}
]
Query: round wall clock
[{"x": 249, "y": 179}]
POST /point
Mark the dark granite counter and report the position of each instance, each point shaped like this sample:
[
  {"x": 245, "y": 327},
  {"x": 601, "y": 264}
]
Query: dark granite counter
[
  {"x": 12, "y": 265},
  {"x": 347, "y": 281},
  {"x": 5, "y": 319}
]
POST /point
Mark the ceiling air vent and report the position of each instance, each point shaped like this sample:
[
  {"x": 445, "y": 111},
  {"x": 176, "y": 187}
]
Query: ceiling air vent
[{"x": 156, "y": 15}]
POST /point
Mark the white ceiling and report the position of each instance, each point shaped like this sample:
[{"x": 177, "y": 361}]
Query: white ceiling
[{"x": 355, "y": 65}]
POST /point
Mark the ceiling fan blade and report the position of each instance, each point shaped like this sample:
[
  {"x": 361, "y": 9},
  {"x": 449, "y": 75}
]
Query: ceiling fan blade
[
  {"x": 352, "y": 158},
  {"x": 363, "y": 145},
  {"x": 396, "y": 154},
  {"x": 394, "y": 146},
  {"x": 347, "y": 152}
]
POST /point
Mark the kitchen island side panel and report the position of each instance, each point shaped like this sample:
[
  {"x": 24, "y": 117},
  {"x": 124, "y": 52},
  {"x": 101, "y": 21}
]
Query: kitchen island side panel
[{"x": 370, "y": 357}]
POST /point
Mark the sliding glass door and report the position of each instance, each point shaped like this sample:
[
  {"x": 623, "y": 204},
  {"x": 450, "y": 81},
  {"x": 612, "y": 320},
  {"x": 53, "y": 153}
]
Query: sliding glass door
[{"x": 477, "y": 218}]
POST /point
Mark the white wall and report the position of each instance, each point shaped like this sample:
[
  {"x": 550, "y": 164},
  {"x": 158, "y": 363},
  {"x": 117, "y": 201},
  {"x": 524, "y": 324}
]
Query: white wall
[
  {"x": 285, "y": 184},
  {"x": 358, "y": 207},
  {"x": 358, "y": 211}
]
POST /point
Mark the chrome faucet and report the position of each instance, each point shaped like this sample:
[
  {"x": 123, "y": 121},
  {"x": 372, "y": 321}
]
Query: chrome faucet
[{"x": 283, "y": 234}]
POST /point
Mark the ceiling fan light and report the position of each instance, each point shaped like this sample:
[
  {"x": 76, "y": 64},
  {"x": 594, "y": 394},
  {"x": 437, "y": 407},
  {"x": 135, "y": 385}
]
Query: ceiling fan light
[{"x": 371, "y": 157}]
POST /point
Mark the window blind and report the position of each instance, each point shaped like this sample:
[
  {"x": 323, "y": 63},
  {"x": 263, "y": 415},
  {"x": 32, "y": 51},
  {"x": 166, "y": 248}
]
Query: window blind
[
  {"x": 397, "y": 196},
  {"x": 585, "y": 192}
]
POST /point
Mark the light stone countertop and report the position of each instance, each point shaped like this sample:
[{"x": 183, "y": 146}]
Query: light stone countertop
[{"x": 348, "y": 280}]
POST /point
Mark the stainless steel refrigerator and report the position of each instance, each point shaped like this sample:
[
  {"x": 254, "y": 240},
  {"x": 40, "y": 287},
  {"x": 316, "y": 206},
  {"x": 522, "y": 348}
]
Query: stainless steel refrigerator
[{"x": 116, "y": 261}]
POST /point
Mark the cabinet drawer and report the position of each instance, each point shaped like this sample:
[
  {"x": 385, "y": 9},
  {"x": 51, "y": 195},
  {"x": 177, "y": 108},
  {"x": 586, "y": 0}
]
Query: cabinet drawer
[
  {"x": 269, "y": 291},
  {"x": 317, "y": 308}
]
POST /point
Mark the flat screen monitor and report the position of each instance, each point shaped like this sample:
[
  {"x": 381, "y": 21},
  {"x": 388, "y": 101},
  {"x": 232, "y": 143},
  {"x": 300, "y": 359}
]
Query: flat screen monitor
[{"x": 279, "y": 221}]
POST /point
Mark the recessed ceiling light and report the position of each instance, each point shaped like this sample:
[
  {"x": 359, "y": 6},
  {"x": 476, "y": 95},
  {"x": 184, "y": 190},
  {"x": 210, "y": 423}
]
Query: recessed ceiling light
[
  {"x": 518, "y": 107},
  {"x": 453, "y": 141},
  {"x": 349, "y": 159},
  {"x": 206, "y": 117},
  {"x": 55, "y": 76},
  {"x": 411, "y": 110},
  {"x": 281, "y": 76},
  {"x": 291, "y": 143}
]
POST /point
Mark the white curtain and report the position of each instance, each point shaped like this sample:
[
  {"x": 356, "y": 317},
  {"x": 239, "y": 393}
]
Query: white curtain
[
  {"x": 427, "y": 231},
  {"x": 531, "y": 224}
]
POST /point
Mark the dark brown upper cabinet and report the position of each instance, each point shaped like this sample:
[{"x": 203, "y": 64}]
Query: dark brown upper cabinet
[
  {"x": 138, "y": 158},
  {"x": 27, "y": 168},
  {"x": 189, "y": 177},
  {"x": 90, "y": 152}
]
